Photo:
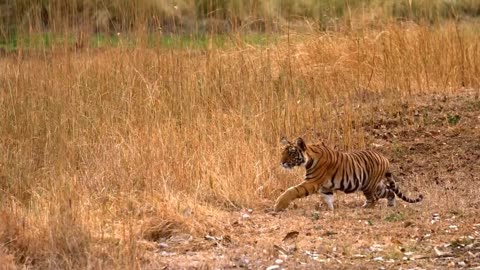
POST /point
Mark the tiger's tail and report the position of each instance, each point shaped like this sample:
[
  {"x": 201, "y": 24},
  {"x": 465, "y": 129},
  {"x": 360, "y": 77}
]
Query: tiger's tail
[
  {"x": 299, "y": 191},
  {"x": 393, "y": 186}
]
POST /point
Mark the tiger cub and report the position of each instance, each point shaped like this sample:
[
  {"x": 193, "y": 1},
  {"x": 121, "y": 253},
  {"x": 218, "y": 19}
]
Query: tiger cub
[{"x": 328, "y": 170}]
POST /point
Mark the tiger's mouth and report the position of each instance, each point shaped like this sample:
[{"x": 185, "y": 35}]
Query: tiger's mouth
[
  {"x": 290, "y": 165},
  {"x": 287, "y": 165}
]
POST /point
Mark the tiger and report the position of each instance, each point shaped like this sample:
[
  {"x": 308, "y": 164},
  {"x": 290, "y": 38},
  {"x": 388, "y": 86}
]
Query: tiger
[{"x": 328, "y": 170}]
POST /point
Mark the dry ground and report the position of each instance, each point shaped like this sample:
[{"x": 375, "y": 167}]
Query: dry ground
[{"x": 433, "y": 143}]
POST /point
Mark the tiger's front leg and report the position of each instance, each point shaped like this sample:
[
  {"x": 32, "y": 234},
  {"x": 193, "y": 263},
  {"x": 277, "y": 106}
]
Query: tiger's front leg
[
  {"x": 284, "y": 200},
  {"x": 327, "y": 197},
  {"x": 299, "y": 191}
]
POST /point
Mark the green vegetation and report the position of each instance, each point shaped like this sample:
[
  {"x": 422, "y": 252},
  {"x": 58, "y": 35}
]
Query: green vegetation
[
  {"x": 395, "y": 217},
  {"x": 20, "y": 18},
  {"x": 49, "y": 40},
  {"x": 453, "y": 119}
]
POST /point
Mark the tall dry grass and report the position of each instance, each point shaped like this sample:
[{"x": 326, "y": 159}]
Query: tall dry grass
[{"x": 102, "y": 148}]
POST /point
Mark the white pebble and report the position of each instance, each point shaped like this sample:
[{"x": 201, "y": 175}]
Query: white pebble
[{"x": 278, "y": 261}]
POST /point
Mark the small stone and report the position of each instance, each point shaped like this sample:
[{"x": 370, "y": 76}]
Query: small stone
[
  {"x": 278, "y": 261},
  {"x": 378, "y": 259},
  {"x": 273, "y": 267},
  {"x": 462, "y": 264},
  {"x": 245, "y": 216},
  {"x": 167, "y": 254}
]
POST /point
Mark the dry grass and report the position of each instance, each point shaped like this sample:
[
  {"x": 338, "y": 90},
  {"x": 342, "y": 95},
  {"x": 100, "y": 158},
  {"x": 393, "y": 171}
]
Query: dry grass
[{"x": 104, "y": 148}]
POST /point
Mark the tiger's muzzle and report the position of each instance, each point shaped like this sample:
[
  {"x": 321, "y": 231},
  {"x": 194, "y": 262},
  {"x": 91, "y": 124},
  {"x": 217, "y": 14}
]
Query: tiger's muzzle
[{"x": 298, "y": 161}]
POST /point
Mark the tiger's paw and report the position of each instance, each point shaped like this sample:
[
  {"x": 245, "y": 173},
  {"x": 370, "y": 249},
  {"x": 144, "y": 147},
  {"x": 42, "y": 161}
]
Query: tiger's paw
[
  {"x": 280, "y": 205},
  {"x": 368, "y": 205}
]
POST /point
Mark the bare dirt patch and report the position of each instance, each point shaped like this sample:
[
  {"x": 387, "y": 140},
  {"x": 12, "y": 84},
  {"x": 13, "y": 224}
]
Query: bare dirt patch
[{"x": 433, "y": 142}]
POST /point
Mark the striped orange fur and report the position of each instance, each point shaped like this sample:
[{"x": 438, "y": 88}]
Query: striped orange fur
[{"x": 327, "y": 170}]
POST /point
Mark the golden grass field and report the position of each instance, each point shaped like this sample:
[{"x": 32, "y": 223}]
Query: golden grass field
[{"x": 155, "y": 158}]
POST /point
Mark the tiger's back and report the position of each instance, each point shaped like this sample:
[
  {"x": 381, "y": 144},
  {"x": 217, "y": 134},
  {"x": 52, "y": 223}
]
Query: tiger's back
[{"x": 348, "y": 172}]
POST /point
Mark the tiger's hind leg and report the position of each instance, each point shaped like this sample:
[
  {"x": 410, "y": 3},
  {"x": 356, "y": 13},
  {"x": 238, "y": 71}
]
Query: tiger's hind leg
[
  {"x": 385, "y": 192},
  {"x": 371, "y": 199},
  {"x": 390, "y": 198},
  {"x": 390, "y": 192}
]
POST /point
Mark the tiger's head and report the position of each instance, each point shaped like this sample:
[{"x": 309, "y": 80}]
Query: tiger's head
[{"x": 293, "y": 154}]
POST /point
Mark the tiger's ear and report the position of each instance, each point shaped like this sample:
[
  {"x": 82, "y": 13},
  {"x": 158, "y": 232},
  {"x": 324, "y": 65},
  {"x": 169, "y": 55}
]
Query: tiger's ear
[
  {"x": 284, "y": 141},
  {"x": 300, "y": 143}
]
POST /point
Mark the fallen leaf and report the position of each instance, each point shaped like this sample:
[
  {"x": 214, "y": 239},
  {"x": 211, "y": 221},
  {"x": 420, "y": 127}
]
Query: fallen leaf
[
  {"x": 407, "y": 224},
  {"x": 418, "y": 257},
  {"x": 291, "y": 235},
  {"x": 396, "y": 241},
  {"x": 441, "y": 253},
  {"x": 224, "y": 239},
  {"x": 210, "y": 238}
]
